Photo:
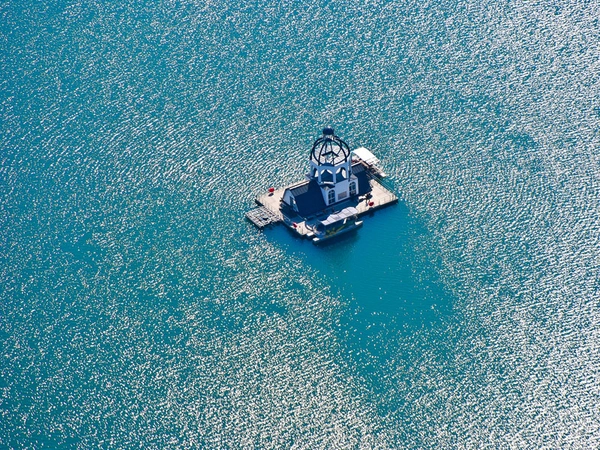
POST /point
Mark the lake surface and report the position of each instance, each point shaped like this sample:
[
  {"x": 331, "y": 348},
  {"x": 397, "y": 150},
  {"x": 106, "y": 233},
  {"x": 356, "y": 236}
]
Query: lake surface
[{"x": 139, "y": 309}]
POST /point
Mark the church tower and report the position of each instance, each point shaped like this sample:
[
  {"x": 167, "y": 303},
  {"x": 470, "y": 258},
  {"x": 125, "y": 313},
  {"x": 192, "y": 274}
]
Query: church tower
[{"x": 331, "y": 167}]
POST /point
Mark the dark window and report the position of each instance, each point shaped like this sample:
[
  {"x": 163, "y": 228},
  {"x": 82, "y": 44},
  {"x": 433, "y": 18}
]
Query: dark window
[{"x": 326, "y": 176}]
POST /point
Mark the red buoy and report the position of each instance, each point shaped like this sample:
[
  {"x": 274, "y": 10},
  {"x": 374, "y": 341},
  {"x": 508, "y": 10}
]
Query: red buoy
[
  {"x": 295, "y": 225},
  {"x": 271, "y": 190},
  {"x": 371, "y": 203}
]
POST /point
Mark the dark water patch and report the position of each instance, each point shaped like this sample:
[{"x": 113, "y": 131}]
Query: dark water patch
[{"x": 393, "y": 302}]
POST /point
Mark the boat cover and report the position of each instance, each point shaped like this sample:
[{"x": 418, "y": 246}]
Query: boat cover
[
  {"x": 366, "y": 156},
  {"x": 341, "y": 215}
]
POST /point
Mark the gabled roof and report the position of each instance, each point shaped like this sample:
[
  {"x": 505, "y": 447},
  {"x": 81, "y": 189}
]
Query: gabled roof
[
  {"x": 309, "y": 199},
  {"x": 359, "y": 171}
]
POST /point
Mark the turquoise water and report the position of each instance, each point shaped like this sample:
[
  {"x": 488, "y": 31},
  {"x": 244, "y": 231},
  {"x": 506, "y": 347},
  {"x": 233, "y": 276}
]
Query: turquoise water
[{"x": 139, "y": 309}]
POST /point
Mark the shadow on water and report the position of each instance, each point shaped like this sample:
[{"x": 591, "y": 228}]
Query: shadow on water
[
  {"x": 389, "y": 278},
  {"x": 384, "y": 267}
]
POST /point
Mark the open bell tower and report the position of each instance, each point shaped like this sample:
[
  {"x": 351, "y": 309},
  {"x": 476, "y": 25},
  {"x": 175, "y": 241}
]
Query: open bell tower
[{"x": 331, "y": 167}]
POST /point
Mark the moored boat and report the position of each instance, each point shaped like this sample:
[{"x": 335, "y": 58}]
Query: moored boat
[
  {"x": 336, "y": 224},
  {"x": 365, "y": 156}
]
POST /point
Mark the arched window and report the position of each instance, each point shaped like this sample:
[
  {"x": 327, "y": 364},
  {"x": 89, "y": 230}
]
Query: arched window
[
  {"x": 331, "y": 196},
  {"x": 352, "y": 188}
]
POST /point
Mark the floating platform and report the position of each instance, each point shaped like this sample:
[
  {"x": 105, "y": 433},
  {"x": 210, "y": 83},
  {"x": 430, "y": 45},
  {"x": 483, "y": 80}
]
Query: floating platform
[
  {"x": 269, "y": 210},
  {"x": 340, "y": 187}
]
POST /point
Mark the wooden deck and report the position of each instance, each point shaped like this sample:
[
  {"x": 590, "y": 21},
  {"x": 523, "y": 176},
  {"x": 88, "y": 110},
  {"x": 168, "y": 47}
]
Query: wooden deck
[{"x": 269, "y": 207}]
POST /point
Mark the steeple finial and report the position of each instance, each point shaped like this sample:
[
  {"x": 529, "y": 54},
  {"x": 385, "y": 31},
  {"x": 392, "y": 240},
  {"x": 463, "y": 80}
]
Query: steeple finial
[{"x": 328, "y": 131}]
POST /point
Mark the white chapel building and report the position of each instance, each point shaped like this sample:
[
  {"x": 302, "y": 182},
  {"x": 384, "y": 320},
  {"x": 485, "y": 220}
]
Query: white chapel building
[{"x": 332, "y": 181}]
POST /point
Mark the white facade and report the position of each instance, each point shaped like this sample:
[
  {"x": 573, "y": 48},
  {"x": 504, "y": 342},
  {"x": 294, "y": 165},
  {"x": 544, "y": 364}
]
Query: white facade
[
  {"x": 331, "y": 167},
  {"x": 289, "y": 199},
  {"x": 330, "y": 177},
  {"x": 334, "y": 180}
]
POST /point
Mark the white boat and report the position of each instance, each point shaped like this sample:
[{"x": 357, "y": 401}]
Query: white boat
[
  {"x": 370, "y": 160},
  {"x": 337, "y": 223}
]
